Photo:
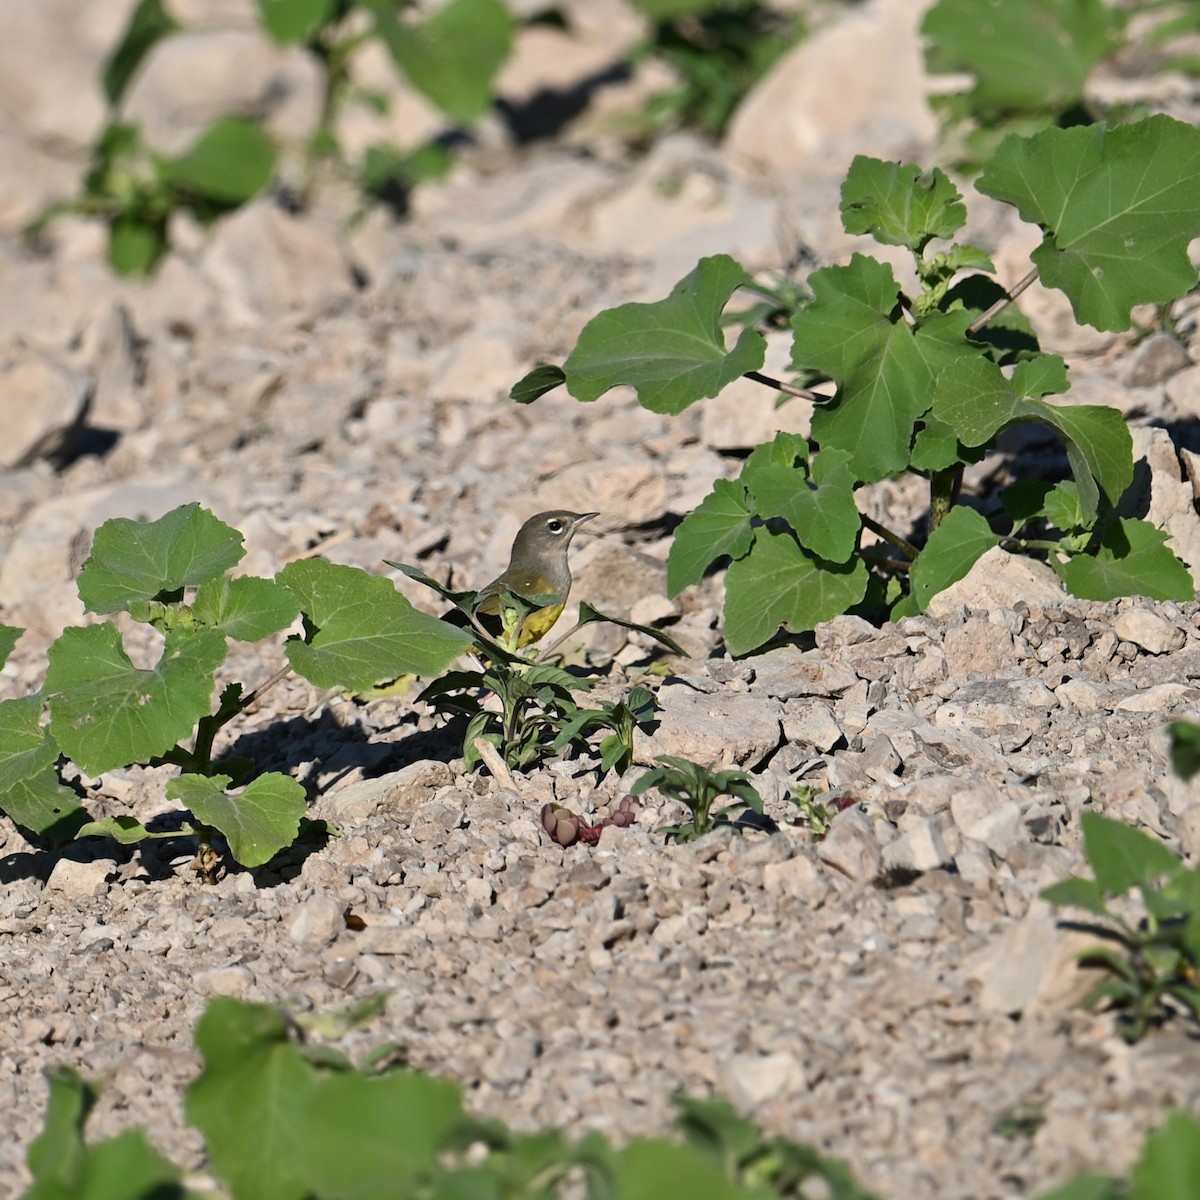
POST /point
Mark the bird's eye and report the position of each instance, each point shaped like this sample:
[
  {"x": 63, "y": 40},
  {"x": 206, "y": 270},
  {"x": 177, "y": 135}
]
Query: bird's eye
[{"x": 554, "y": 525}]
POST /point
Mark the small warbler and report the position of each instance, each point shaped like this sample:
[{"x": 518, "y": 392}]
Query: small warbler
[{"x": 538, "y": 576}]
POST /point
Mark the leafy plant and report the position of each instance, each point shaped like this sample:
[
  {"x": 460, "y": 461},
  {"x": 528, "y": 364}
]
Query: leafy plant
[
  {"x": 538, "y": 711},
  {"x": 698, "y": 787},
  {"x": 1156, "y": 956},
  {"x": 719, "y": 49},
  {"x": 925, "y": 384},
  {"x": 814, "y": 814},
  {"x": 565, "y": 827},
  {"x": 105, "y": 713}
]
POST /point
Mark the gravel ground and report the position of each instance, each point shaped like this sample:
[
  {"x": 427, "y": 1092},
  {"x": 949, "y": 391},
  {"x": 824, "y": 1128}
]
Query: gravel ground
[{"x": 893, "y": 993}]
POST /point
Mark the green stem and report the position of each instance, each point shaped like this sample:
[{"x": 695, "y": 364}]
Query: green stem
[
  {"x": 893, "y": 539},
  {"x": 944, "y": 487},
  {"x": 789, "y": 389}
]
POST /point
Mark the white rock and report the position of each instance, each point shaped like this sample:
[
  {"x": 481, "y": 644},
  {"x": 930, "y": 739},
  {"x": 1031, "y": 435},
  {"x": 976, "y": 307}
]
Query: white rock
[
  {"x": 998, "y": 580},
  {"x": 718, "y": 729},
  {"x": 857, "y": 86},
  {"x": 318, "y": 921},
  {"x": 919, "y": 847},
  {"x": 77, "y": 880},
  {"x": 1148, "y": 630},
  {"x": 984, "y": 816},
  {"x": 815, "y": 727},
  {"x": 851, "y": 847},
  {"x": 43, "y": 404},
  {"x": 751, "y": 1079},
  {"x": 1165, "y": 499},
  {"x": 1082, "y": 695},
  {"x": 1160, "y": 698},
  {"x": 798, "y": 877}
]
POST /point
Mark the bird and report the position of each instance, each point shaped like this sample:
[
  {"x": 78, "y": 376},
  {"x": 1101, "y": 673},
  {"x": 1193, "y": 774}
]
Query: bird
[{"x": 522, "y": 603}]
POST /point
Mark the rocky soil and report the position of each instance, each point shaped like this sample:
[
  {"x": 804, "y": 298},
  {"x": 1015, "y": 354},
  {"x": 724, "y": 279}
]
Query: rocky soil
[{"x": 894, "y": 993}]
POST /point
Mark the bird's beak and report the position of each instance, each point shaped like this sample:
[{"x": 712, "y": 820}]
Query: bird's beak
[{"x": 579, "y": 520}]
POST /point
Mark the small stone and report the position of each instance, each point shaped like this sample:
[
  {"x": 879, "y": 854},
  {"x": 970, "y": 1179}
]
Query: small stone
[
  {"x": 1148, "y": 631},
  {"x": 798, "y": 878},
  {"x": 1081, "y": 695},
  {"x": 1158, "y": 699},
  {"x": 984, "y": 816},
  {"x": 851, "y": 847},
  {"x": 919, "y": 847},
  {"x": 815, "y": 727},
  {"x": 43, "y": 405},
  {"x": 1154, "y": 360},
  {"x": 318, "y": 921},
  {"x": 751, "y": 1079},
  {"x": 75, "y": 880},
  {"x": 223, "y": 981},
  {"x": 720, "y": 730},
  {"x": 999, "y": 580},
  {"x": 398, "y": 792}
]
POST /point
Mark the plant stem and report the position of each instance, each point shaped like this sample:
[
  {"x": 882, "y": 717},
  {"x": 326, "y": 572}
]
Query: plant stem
[
  {"x": 944, "y": 487},
  {"x": 788, "y": 388},
  {"x": 1002, "y": 303},
  {"x": 893, "y": 539}
]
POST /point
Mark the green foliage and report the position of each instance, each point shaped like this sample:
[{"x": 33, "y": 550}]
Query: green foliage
[
  {"x": 698, "y": 787},
  {"x": 1157, "y": 957},
  {"x": 719, "y": 49},
  {"x": 926, "y": 380},
  {"x": 105, "y": 713},
  {"x": 621, "y": 718},
  {"x": 284, "y": 1118}
]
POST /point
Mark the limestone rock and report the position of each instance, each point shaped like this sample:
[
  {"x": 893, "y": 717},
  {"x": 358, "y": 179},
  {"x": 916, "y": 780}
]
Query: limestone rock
[
  {"x": 712, "y": 729},
  {"x": 998, "y": 580},
  {"x": 43, "y": 405},
  {"x": 851, "y": 847},
  {"x": 1148, "y": 630}
]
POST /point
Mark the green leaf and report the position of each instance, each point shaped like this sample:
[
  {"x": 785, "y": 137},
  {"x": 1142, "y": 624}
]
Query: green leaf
[
  {"x": 1025, "y": 55},
  {"x": 250, "y": 1099},
  {"x": 9, "y": 636},
  {"x": 820, "y": 509},
  {"x": 1118, "y": 208},
  {"x": 1088, "y": 1187},
  {"x": 936, "y": 446},
  {"x": 1132, "y": 559},
  {"x": 898, "y": 205},
  {"x": 148, "y": 24},
  {"x": 451, "y": 56},
  {"x": 667, "y": 10},
  {"x": 363, "y": 1138},
  {"x": 651, "y": 1170},
  {"x": 106, "y": 713},
  {"x": 231, "y": 162},
  {"x": 1063, "y": 508},
  {"x": 718, "y": 525},
  {"x": 589, "y": 615},
  {"x": 975, "y": 399},
  {"x": 30, "y": 792},
  {"x": 365, "y": 630},
  {"x": 290, "y": 21},
  {"x": 854, "y": 332},
  {"x": 1185, "y": 748},
  {"x": 45, "y": 807},
  {"x": 779, "y": 584},
  {"x": 246, "y": 609},
  {"x": 1076, "y": 893},
  {"x": 125, "y": 830},
  {"x": 135, "y": 245},
  {"x": 951, "y": 551},
  {"x": 26, "y": 749},
  {"x": 257, "y": 822},
  {"x": 57, "y": 1156},
  {"x": 538, "y": 382},
  {"x": 671, "y": 352},
  {"x": 1169, "y": 1167},
  {"x": 136, "y": 560},
  {"x": 1121, "y": 856}
]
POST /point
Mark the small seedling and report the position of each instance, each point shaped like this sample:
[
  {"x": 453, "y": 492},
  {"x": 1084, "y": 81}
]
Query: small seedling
[
  {"x": 621, "y": 717},
  {"x": 565, "y": 827},
  {"x": 698, "y": 787},
  {"x": 814, "y": 814},
  {"x": 1155, "y": 957}
]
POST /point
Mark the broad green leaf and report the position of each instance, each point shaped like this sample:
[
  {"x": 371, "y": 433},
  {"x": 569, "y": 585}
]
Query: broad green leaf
[
  {"x": 589, "y": 616},
  {"x": 26, "y": 749},
  {"x": 1025, "y": 55},
  {"x": 951, "y": 551},
  {"x": 257, "y": 822},
  {"x": 1006, "y": 337},
  {"x": 57, "y": 1157},
  {"x": 898, "y": 205},
  {"x": 125, "y": 830},
  {"x": 231, "y": 162},
  {"x": 294, "y": 20},
  {"x": 250, "y": 1100},
  {"x": 1088, "y": 1187},
  {"x": 1185, "y": 748},
  {"x": 1118, "y": 208},
  {"x": 667, "y": 10},
  {"x": 537, "y": 383},
  {"x": 10, "y": 635},
  {"x": 44, "y": 806},
  {"x": 1169, "y": 1168},
  {"x": 784, "y": 450},
  {"x": 718, "y": 525},
  {"x": 106, "y": 713},
  {"x": 885, "y": 369},
  {"x": 366, "y": 1137},
  {"x": 975, "y": 399},
  {"x": 135, "y": 245},
  {"x": 778, "y": 584},
  {"x": 650, "y": 1170},
  {"x": 1122, "y": 857},
  {"x": 1063, "y": 508},
  {"x": 672, "y": 352},
  {"x": 936, "y": 446},
  {"x": 365, "y": 630},
  {"x": 1132, "y": 559},
  {"x": 148, "y": 24},
  {"x": 451, "y": 56},
  {"x": 246, "y": 609},
  {"x": 820, "y": 509},
  {"x": 125, "y": 1167},
  {"x": 136, "y": 560},
  {"x": 1076, "y": 893}
]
